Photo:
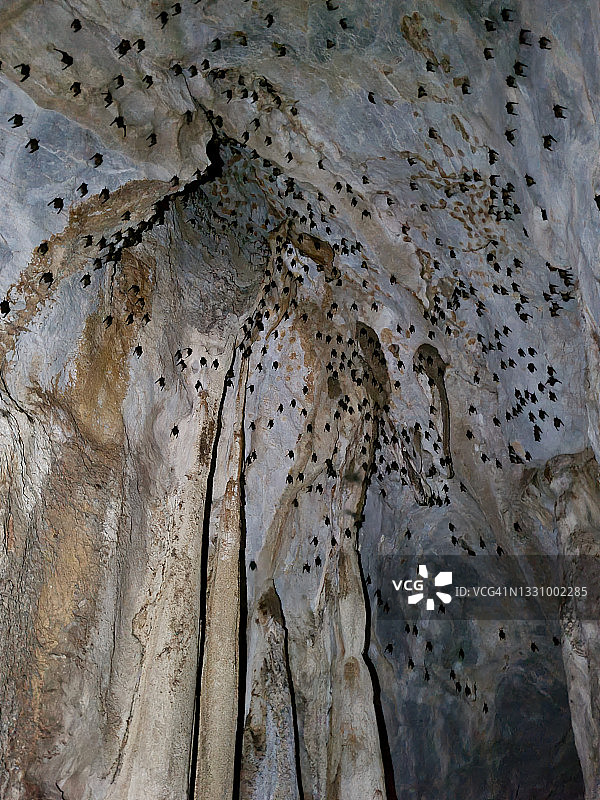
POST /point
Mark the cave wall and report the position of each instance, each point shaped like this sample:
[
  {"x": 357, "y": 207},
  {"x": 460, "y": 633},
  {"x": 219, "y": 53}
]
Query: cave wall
[{"x": 348, "y": 293}]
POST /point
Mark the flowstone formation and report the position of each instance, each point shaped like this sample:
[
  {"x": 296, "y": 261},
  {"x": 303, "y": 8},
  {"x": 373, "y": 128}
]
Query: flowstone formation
[{"x": 290, "y": 296}]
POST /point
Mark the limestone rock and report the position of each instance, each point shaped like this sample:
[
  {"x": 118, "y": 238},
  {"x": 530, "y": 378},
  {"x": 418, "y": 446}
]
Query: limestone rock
[{"x": 289, "y": 297}]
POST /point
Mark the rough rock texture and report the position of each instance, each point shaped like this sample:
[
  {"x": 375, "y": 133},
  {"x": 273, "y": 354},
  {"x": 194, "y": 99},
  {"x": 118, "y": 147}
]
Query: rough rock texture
[{"x": 320, "y": 295}]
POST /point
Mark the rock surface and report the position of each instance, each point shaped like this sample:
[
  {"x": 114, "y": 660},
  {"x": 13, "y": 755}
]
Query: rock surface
[{"x": 321, "y": 295}]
